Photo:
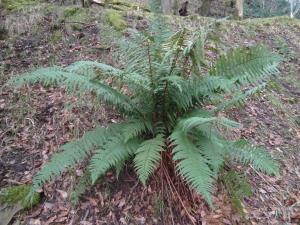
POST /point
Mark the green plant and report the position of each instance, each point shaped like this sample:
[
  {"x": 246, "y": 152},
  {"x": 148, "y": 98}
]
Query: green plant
[
  {"x": 17, "y": 194},
  {"x": 17, "y": 4},
  {"x": 116, "y": 20},
  {"x": 162, "y": 95},
  {"x": 283, "y": 49},
  {"x": 238, "y": 188},
  {"x": 79, "y": 189}
]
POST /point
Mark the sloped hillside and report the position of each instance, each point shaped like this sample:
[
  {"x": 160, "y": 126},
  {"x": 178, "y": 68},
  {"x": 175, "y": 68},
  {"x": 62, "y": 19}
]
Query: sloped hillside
[{"x": 34, "y": 121}]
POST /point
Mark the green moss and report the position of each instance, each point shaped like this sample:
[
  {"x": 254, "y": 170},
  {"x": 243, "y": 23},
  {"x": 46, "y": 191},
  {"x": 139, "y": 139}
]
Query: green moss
[
  {"x": 56, "y": 37},
  {"x": 75, "y": 12},
  {"x": 115, "y": 19},
  {"x": 14, "y": 5},
  {"x": 124, "y": 5},
  {"x": 71, "y": 11},
  {"x": 76, "y": 27},
  {"x": 14, "y": 194}
]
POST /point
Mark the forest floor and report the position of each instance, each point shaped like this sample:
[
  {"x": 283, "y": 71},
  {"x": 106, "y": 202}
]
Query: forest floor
[{"x": 34, "y": 121}]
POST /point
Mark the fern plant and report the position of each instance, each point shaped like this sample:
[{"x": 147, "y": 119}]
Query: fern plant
[{"x": 162, "y": 95}]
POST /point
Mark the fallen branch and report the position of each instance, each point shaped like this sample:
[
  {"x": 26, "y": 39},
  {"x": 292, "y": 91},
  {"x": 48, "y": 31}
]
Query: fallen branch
[{"x": 119, "y": 5}]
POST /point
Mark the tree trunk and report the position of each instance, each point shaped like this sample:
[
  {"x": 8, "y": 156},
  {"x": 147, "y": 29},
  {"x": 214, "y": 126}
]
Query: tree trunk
[
  {"x": 175, "y": 7},
  {"x": 166, "y": 6},
  {"x": 239, "y": 8},
  {"x": 204, "y": 9}
]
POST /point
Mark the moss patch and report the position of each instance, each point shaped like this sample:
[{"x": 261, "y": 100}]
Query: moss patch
[
  {"x": 14, "y": 5},
  {"x": 15, "y": 194},
  {"x": 76, "y": 13},
  {"x": 116, "y": 20},
  {"x": 71, "y": 11},
  {"x": 56, "y": 37}
]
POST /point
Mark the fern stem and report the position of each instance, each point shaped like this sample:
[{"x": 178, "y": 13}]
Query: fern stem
[
  {"x": 166, "y": 93},
  {"x": 150, "y": 66}
]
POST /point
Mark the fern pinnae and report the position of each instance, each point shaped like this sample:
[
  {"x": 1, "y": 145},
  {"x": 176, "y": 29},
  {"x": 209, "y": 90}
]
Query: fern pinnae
[
  {"x": 248, "y": 65},
  {"x": 135, "y": 127},
  {"x": 147, "y": 157},
  {"x": 213, "y": 150},
  {"x": 68, "y": 155},
  {"x": 239, "y": 98},
  {"x": 114, "y": 151},
  {"x": 79, "y": 188},
  {"x": 90, "y": 68},
  {"x": 192, "y": 166},
  {"x": 245, "y": 153}
]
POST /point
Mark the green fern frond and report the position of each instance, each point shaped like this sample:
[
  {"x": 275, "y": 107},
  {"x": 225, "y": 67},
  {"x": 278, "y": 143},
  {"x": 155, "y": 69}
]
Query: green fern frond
[
  {"x": 195, "y": 50},
  {"x": 175, "y": 42},
  {"x": 100, "y": 71},
  {"x": 182, "y": 99},
  {"x": 115, "y": 150},
  {"x": 175, "y": 81},
  {"x": 228, "y": 123},
  {"x": 238, "y": 188},
  {"x": 247, "y": 65},
  {"x": 68, "y": 155},
  {"x": 257, "y": 157},
  {"x": 78, "y": 190},
  {"x": 92, "y": 69},
  {"x": 209, "y": 85},
  {"x": 77, "y": 84},
  {"x": 147, "y": 157},
  {"x": 192, "y": 165},
  {"x": 238, "y": 99},
  {"x": 48, "y": 76},
  {"x": 193, "y": 122},
  {"x": 213, "y": 150},
  {"x": 135, "y": 53},
  {"x": 135, "y": 128}
]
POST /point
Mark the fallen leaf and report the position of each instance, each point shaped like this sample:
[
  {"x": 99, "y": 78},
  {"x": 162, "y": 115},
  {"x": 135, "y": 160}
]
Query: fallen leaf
[{"x": 62, "y": 193}]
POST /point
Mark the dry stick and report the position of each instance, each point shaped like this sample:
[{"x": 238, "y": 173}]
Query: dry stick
[
  {"x": 170, "y": 208},
  {"x": 168, "y": 182},
  {"x": 15, "y": 181},
  {"x": 85, "y": 24},
  {"x": 192, "y": 219},
  {"x": 131, "y": 191},
  {"x": 162, "y": 186}
]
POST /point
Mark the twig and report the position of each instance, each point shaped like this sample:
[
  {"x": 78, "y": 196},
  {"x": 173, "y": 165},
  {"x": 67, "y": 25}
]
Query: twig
[
  {"x": 131, "y": 191},
  {"x": 162, "y": 184},
  {"x": 14, "y": 181},
  {"x": 31, "y": 120},
  {"x": 82, "y": 23}
]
